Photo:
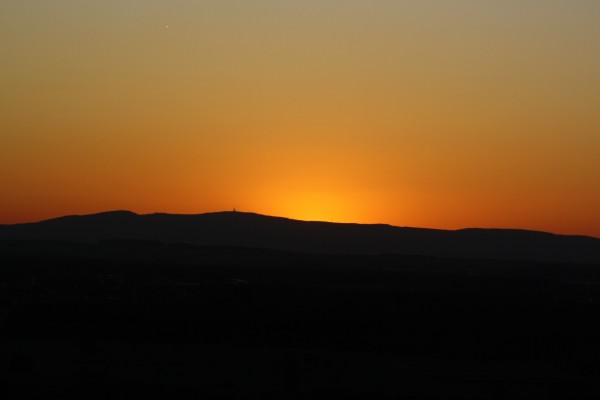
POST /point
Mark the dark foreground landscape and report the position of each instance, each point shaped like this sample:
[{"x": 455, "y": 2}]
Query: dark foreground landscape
[{"x": 140, "y": 318}]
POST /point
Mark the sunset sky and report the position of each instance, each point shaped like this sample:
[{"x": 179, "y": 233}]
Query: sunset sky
[{"x": 443, "y": 114}]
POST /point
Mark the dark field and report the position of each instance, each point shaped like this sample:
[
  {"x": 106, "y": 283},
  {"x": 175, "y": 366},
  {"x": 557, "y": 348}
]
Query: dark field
[{"x": 139, "y": 319}]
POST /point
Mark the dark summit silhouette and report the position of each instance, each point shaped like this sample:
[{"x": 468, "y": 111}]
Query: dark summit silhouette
[{"x": 254, "y": 230}]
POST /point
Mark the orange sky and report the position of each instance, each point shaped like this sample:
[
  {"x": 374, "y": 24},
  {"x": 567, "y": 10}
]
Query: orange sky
[{"x": 413, "y": 113}]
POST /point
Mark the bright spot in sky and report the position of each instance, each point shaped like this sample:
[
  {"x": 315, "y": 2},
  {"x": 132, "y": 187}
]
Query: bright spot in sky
[{"x": 315, "y": 206}]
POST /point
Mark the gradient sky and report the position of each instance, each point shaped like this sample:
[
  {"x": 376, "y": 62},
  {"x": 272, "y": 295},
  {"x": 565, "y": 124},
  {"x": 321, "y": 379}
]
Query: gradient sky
[{"x": 443, "y": 114}]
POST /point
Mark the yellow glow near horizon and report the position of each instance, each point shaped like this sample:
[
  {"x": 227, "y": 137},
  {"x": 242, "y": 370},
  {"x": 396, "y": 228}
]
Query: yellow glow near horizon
[{"x": 317, "y": 206}]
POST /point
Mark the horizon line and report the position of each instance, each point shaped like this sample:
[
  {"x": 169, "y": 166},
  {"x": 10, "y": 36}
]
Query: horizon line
[{"x": 236, "y": 211}]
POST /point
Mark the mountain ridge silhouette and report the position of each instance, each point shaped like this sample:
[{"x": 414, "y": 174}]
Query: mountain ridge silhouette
[{"x": 235, "y": 228}]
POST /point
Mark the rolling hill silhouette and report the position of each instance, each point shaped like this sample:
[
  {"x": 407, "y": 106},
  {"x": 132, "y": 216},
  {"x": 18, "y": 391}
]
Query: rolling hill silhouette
[
  {"x": 133, "y": 304},
  {"x": 254, "y": 230}
]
